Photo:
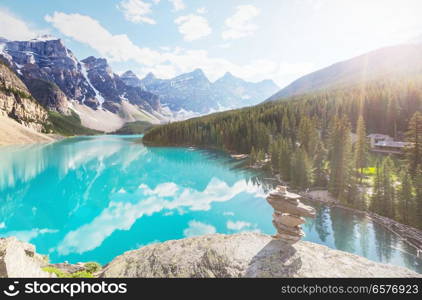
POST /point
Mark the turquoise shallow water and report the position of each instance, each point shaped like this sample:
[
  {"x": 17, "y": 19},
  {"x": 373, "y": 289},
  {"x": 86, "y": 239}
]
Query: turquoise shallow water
[{"x": 92, "y": 198}]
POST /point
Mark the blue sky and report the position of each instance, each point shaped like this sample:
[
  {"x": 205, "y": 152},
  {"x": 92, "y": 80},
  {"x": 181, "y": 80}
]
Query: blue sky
[{"x": 253, "y": 39}]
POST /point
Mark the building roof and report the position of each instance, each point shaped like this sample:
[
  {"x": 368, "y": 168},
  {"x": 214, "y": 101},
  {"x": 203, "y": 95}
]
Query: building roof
[
  {"x": 379, "y": 136},
  {"x": 391, "y": 144}
]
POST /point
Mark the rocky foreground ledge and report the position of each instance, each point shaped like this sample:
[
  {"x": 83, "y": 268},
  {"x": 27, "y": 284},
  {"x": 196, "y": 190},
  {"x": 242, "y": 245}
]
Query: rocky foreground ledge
[
  {"x": 216, "y": 255},
  {"x": 245, "y": 255}
]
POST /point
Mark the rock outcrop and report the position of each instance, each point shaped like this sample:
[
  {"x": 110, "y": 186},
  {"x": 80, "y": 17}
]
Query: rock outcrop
[
  {"x": 17, "y": 103},
  {"x": 245, "y": 255},
  {"x": 19, "y": 259},
  {"x": 288, "y": 214}
]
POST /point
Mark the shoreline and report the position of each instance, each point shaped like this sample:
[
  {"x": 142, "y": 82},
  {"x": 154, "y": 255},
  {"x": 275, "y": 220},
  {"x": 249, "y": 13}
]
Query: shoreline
[
  {"x": 47, "y": 139},
  {"x": 408, "y": 234}
]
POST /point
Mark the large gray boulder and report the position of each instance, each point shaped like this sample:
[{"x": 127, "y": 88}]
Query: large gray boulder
[
  {"x": 245, "y": 255},
  {"x": 19, "y": 260}
]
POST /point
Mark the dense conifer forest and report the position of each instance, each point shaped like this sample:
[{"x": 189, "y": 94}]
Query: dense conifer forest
[{"x": 320, "y": 140}]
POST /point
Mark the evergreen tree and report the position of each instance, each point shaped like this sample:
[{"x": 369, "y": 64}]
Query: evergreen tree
[
  {"x": 376, "y": 198},
  {"x": 414, "y": 151},
  {"x": 393, "y": 111},
  {"x": 361, "y": 149},
  {"x": 301, "y": 172},
  {"x": 308, "y": 136},
  {"x": 275, "y": 157},
  {"x": 388, "y": 191},
  {"x": 339, "y": 157},
  {"x": 285, "y": 159},
  {"x": 253, "y": 156},
  {"x": 418, "y": 188},
  {"x": 405, "y": 196},
  {"x": 320, "y": 172},
  {"x": 260, "y": 156}
]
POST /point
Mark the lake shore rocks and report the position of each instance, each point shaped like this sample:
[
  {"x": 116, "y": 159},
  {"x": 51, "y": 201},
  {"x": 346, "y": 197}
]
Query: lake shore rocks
[
  {"x": 19, "y": 259},
  {"x": 288, "y": 214}
]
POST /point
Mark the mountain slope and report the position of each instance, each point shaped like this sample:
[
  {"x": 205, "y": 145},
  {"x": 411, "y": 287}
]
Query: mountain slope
[
  {"x": 61, "y": 83},
  {"x": 193, "y": 92},
  {"x": 390, "y": 62},
  {"x": 190, "y": 91},
  {"x": 11, "y": 132},
  {"x": 235, "y": 92}
]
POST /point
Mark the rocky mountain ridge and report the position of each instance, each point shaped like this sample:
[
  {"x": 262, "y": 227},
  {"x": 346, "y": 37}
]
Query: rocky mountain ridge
[
  {"x": 60, "y": 82},
  {"x": 194, "y": 92},
  {"x": 113, "y": 90}
]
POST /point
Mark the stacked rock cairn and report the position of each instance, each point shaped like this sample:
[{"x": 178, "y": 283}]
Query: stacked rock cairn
[{"x": 288, "y": 214}]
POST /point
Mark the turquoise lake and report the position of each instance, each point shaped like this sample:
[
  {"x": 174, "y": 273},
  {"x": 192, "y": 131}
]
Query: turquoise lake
[{"x": 93, "y": 198}]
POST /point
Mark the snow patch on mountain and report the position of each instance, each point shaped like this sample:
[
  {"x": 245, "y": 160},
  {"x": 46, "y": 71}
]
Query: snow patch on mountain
[{"x": 98, "y": 95}]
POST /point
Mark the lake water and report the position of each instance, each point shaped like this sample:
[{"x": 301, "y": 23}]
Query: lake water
[{"x": 93, "y": 198}]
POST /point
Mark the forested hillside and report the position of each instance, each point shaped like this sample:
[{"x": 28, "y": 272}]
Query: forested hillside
[
  {"x": 393, "y": 62},
  {"x": 310, "y": 143}
]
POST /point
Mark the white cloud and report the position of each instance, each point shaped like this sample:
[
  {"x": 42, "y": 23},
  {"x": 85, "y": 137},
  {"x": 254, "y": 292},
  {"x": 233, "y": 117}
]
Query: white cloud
[
  {"x": 224, "y": 45},
  {"x": 287, "y": 72},
  {"x": 89, "y": 31},
  {"x": 238, "y": 225},
  {"x": 239, "y": 25},
  {"x": 164, "y": 63},
  {"x": 178, "y": 5},
  {"x": 168, "y": 189},
  {"x": 198, "y": 228},
  {"x": 28, "y": 235},
  {"x": 136, "y": 11},
  {"x": 228, "y": 213},
  {"x": 121, "y": 215},
  {"x": 295, "y": 68},
  {"x": 193, "y": 27},
  {"x": 13, "y": 28},
  {"x": 202, "y": 10}
]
